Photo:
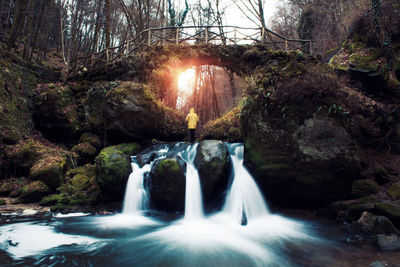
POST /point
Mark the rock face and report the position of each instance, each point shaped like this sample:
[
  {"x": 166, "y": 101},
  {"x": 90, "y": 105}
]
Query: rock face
[
  {"x": 362, "y": 188},
  {"x": 56, "y": 112},
  {"x": 213, "y": 164},
  {"x": 167, "y": 185},
  {"x": 129, "y": 112},
  {"x": 49, "y": 170},
  {"x": 113, "y": 168},
  {"x": 313, "y": 162},
  {"x": 371, "y": 224}
]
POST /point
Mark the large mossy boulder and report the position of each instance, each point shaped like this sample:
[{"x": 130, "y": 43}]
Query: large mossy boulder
[
  {"x": 55, "y": 113},
  {"x": 33, "y": 192},
  {"x": 129, "y": 111},
  {"x": 298, "y": 139},
  {"x": 213, "y": 164},
  {"x": 50, "y": 170},
  {"x": 167, "y": 185},
  {"x": 12, "y": 186},
  {"x": 113, "y": 166}
]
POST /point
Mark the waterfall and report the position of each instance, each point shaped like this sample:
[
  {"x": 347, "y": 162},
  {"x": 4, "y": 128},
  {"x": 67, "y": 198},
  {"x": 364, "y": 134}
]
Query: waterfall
[
  {"x": 244, "y": 201},
  {"x": 193, "y": 197},
  {"x": 136, "y": 197}
]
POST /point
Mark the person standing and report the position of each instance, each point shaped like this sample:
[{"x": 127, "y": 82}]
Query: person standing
[{"x": 192, "y": 120}]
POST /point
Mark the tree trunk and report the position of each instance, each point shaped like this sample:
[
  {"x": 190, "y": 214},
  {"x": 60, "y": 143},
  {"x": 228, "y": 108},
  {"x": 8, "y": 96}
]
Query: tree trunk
[
  {"x": 18, "y": 16},
  {"x": 108, "y": 22}
]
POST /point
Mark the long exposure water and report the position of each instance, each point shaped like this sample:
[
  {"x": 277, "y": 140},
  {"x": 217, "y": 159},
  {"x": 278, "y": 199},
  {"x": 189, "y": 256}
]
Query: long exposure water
[{"x": 197, "y": 239}]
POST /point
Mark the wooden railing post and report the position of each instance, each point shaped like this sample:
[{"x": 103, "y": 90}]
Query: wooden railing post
[
  {"x": 107, "y": 55},
  {"x": 177, "y": 36},
  {"x": 128, "y": 44},
  {"x": 162, "y": 36},
  {"x": 234, "y": 35},
  {"x": 92, "y": 61},
  {"x": 286, "y": 45},
  {"x": 149, "y": 38},
  {"x": 263, "y": 35},
  {"x": 206, "y": 35},
  {"x": 311, "y": 48}
]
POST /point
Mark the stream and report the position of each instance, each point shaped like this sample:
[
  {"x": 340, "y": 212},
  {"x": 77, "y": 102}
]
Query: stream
[{"x": 243, "y": 233}]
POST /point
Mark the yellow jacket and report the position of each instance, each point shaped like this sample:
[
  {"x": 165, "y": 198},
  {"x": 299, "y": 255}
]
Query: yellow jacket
[{"x": 192, "y": 119}]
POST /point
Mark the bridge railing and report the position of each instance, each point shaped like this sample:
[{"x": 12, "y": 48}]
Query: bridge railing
[{"x": 208, "y": 34}]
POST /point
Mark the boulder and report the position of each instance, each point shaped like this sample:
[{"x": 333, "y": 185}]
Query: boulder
[
  {"x": 388, "y": 242},
  {"x": 362, "y": 188},
  {"x": 85, "y": 151},
  {"x": 226, "y": 128},
  {"x": 55, "y": 112},
  {"x": 50, "y": 170},
  {"x": 167, "y": 185},
  {"x": 310, "y": 165},
  {"x": 33, "y": 192},
  {"x": 213, "y": 164},
  {"x": 113, "y": 166},
  {"x": 372, "y": 224},
  {"x": 90, "y": 138}
]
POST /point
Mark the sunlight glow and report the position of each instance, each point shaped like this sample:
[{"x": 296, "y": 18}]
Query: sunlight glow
[{"x": 186, "y": 81}]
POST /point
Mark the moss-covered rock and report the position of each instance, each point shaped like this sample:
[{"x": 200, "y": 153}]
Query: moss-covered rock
[
  {"x": 85, "y": 151},
  {"x": 167, "y": 186},
  {"x": 372, "y": 224},
  {"x": 390, "y": 210},
  {"x": 226, "y": 128},
  {"x": 213, "y": 164},
  {"x": 55, "y": 113},
  {"x": 362, "y": 188},
  {"x": 33, "y": 192},
  {"x": 49, "y": 170},
  {"x": 2, "y": 202},
  {"x": 113, "y": 168},
  {"x": 129, "y": 111},
  {"x": 12, "y": 187},
  {"x": 394, "y": 191},
  {"x": 90, "y": 138}
]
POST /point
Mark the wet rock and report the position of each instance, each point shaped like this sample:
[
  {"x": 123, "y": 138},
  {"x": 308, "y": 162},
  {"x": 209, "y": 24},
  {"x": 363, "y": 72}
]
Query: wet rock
[
  {"x": 167, "y": 185},
  {"x": 388, "y": 242},
  {"x": 213, "y": 164},
  {"x": 113, "y": 168},
  {"x": 226, "y": 128},
  {"x": 150, "y": 154},
  {"x": 383, "y": 264},
  {"x": 49, "y": 170},
  {"x": 382, "y": 176},
  {"x": 362, "y": 188},
  {"x": 33, "y": 192},
  {"x": 372, "y": 224}
]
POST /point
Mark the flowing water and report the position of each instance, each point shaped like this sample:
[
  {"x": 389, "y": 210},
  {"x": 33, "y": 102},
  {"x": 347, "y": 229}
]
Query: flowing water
[{"x": 243, "y": 233}]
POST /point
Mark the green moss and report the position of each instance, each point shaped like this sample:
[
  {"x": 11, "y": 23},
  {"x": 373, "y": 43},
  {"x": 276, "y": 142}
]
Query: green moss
[
  {"x": 50, "y": 170},
  {"x": 169, "y": 166},
  {"x": 226, "y": 128},
  {"x": 129, "y": 149},
  {"x": 389, "y": 210},
  {"x": 84, "y": 149},
  {"x": 90, "y": 138},
  {"x": 394, "y": 191},
  {"x": 33, "y": 192},
  {"x": 363, "y": 188},
  {"x": 2, "y": 202},
  {"x": 80, "y": 181}
]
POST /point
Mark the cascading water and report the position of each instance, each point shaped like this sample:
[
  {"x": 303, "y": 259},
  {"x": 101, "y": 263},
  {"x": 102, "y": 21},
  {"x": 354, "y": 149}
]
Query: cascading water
[
  {"x": 136, "y": 198},
  {"x": 244, "y": 201},
  {"x": 193, "y": 198}
]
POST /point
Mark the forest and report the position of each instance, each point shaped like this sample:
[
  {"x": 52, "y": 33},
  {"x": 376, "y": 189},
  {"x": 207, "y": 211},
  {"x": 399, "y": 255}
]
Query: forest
[{"x": 200, "y": 133}]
